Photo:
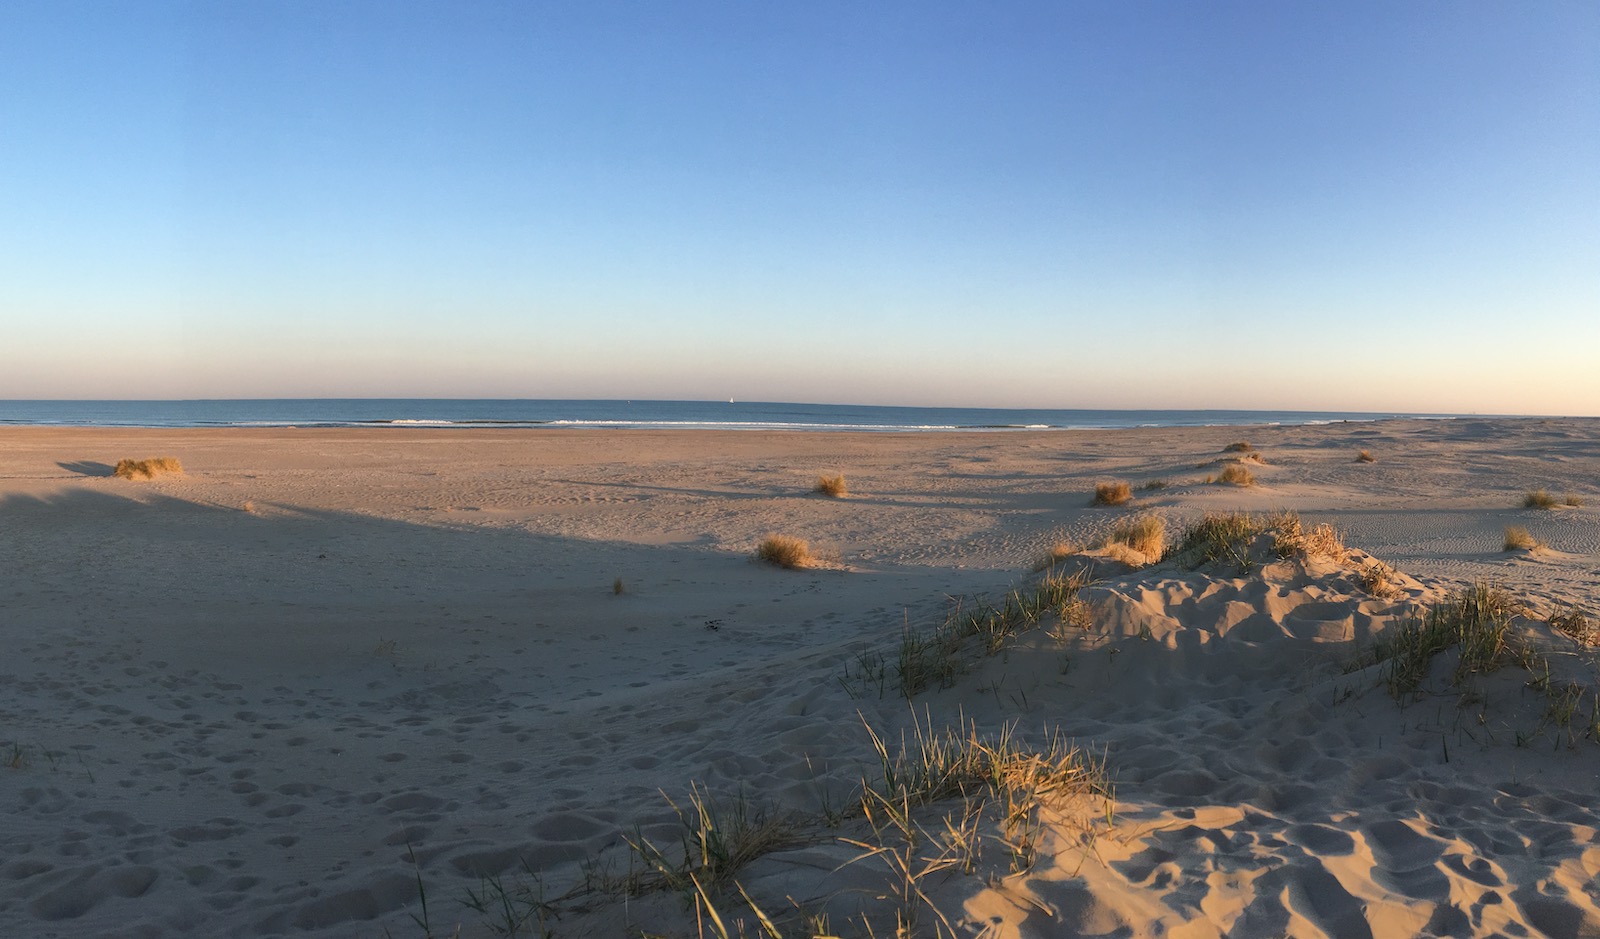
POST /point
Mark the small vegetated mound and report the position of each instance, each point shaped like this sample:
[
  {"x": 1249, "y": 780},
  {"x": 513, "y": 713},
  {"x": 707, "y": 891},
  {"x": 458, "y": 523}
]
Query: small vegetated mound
[
  {"x": 1520, "y": 539},
  {"x": 617, "y": 587},
  {"x": 1154, "y": 485},
  {"x": 785, "y": 551},
  {"x": 1235, "y": 475},
  {"x": 1365, "y": 456},
  {"x": 1240, "y": 446},
  {"x": 1246, "y": 540},
  {"x": 1112, "y": 493},
  {"x": 1574, "y": 501},
  {"x": 1539, "y": 499},
  {"x": 147, "y": 469},
  {"x": 832, "y": 486}
]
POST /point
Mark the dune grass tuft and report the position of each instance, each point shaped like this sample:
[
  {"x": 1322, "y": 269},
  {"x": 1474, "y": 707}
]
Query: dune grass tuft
[
  {"x": 1155, "y": 484},
  {"x": 1216, "y": 537},
  {"x": 617, "y": 587},
  {"x": 1574, "y": 501},
  {"x": 1365, "y": 456},
  {"x": 1538, "y": 499},
  {"x": 1146, "y": 534},
  {"x": 1476, "y": 621},
  {"x": 1058, "y": 552},
  {"x": 785, "y": 551},
  {"x": 1233, "y": 476},
  {"x": 147, "y": 469},
  {"x": 1240, "y": 446},
  {"x": 832, "y": 486},
  {"x": 1112, "y": 493},
  {"x": 1520, "y": 539}
]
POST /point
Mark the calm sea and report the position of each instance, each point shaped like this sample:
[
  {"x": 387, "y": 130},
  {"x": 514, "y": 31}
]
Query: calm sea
[{"x": 741, "y": 415}]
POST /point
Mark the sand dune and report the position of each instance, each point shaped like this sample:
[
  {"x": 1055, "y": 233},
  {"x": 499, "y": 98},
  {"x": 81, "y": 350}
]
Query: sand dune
[{"x": 269, "y": 695}]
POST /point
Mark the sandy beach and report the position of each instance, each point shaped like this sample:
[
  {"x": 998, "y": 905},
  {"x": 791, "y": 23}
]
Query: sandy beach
[{"x": 321, "y": 675}]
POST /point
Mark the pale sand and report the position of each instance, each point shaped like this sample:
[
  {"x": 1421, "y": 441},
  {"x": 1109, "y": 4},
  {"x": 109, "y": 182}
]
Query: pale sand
[{"x": 247, "y": 723}]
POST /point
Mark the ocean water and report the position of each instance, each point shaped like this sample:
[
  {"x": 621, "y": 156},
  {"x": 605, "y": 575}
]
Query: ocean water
[{"x": 731, "y": 415}]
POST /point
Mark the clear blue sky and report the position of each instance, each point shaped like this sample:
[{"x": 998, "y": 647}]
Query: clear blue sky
[{"x": 1276, "y": 205}]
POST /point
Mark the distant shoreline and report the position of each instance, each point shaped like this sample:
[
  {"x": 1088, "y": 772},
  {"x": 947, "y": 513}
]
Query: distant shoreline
[{"x": 434, "y": 413}]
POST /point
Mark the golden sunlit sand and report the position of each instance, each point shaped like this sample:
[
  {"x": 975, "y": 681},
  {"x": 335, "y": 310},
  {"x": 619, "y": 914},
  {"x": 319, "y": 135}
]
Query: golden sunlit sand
[{"x": 323, "y": 674}]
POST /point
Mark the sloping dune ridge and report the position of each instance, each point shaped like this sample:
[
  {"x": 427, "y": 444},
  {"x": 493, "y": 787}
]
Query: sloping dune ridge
[{"x": 422, "y": 683}]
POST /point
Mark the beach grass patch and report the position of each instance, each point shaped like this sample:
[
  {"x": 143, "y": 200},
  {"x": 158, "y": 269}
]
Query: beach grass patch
[
  {"x": 1476, "y": 622},
  {"x": 1233, "y": 476},
  {"x": 716, "y": 839},
  {"x": 1520, "y": 539},
  {"x": 1239, "y": 446},
  {"x": 785, "y": 551},
  {"x": 1112, "y": 493},
  {"x": 832, "y": 486},
  {"x": 1574, "y": 501},
  {"x": 1155, "y": 485},
  {"x": 1539, "y": 499},
  {"x": 1216, "y": 537},
  {"x": 147, "y": 469},
  {"x": 1365, "y": 456}
]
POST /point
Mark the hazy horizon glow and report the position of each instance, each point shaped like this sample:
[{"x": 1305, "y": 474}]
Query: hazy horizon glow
[{"x": 1355, "y": 207}]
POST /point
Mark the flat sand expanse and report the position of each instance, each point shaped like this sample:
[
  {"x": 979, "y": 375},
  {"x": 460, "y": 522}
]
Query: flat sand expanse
[{"x": 269, "y": 696}]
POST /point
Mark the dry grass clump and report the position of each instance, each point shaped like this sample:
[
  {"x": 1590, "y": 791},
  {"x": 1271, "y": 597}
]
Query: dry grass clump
[
  {"x": 1365, "y": 456},
  {"x": 1146, "y": 534},
  {"x": 1574, "y": 501},
  {"x": 1575, "y": 622},
  {"x": 617, "y": 587},
  {"x": 833, "y": 486},
  {"x": 1539, "y": 499},
  {"x": 1291, "y": 537},
  {"x": 1376, "y": 579},
  {"x": 785, "y": 551},
  {"x": 1520, "y": 539},
  {"x": 147, "y": 469},
  {"x": 1058, "y": 552},
  {"x": 1233, "y": 476},
  {"x": 1155, "y": 484},
  {"x": 1241, "y": 446},
  {"x": 1112, "y": 493}
]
